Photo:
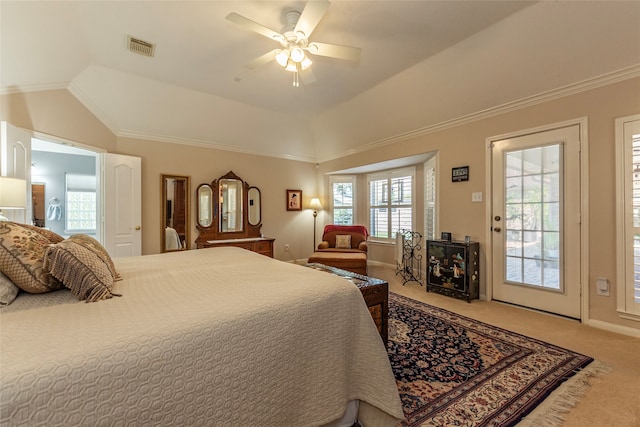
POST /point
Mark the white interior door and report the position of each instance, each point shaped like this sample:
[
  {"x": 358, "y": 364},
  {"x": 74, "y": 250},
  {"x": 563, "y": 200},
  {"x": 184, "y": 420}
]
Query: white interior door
[
  {"x": 536, "y": 221},
  {"x": 122, "y": 195},
  {"x": 15, "y": 162}
]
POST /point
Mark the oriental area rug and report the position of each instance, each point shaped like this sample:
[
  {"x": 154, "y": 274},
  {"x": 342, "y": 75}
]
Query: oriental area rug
[{"x": 452, "y": 370}]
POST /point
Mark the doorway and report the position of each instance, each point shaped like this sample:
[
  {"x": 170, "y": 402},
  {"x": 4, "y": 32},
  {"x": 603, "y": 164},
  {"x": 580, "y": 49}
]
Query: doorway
[{"x": 536, "y": 240}]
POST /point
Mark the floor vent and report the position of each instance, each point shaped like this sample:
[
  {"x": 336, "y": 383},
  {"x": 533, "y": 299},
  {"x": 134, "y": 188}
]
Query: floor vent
[{"x": 140, "y": 46}]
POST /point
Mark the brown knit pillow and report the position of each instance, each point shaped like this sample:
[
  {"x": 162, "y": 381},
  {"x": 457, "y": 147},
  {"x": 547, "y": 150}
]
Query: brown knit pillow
[
  {"x": 21, "y": 258},
  {"x": 94, "y": 246},
  {"x": 81, "y": 269}
]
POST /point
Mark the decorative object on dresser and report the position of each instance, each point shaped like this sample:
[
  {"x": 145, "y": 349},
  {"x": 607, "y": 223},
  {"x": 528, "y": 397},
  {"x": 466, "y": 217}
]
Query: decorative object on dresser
[
  {"x": 408, "y": 256},
  {"x": 374, "y": 291},
  {"x": 230, "y": 214},
  {"x": 343, "y": 246},
  {"x": 454, "y": 268},
  {"x": 175, "y": 208}
]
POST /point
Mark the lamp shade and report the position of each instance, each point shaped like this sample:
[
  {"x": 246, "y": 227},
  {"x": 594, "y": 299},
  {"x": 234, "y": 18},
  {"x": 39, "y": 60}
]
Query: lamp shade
[
  {"x": 315, "y": 204},
  {"x": 13, "y": 193}
]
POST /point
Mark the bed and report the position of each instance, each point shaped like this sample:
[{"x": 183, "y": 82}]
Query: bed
[{"x": 219, "y": 336}]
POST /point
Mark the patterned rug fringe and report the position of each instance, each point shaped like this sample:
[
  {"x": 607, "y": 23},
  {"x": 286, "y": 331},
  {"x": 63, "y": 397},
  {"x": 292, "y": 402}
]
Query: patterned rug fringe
[{"x": 552, "y": 411}]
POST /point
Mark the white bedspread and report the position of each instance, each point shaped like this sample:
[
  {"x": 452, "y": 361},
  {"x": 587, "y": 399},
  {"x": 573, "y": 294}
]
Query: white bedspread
[{"x": 218, "y": 336}]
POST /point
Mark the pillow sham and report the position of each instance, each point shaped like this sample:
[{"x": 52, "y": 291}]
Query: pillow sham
[
  {"x": 80, "y": 269},
  {"x": 21, "y": 258},
  {"x": 8, "y": 290},
  {"x": 94, "y": 246},
  {"x": 343, "y": 241}
]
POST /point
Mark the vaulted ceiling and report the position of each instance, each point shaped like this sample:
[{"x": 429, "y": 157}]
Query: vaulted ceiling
[{"x": 423, "y": 64}]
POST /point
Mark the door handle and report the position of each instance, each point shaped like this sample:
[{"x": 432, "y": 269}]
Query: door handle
[
  {"x": 137, "y": 227},
  {"x": 497, "y": 229}
]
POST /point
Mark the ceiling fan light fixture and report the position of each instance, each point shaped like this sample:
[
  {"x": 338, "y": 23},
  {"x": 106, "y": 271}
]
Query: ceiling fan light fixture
[
  {"x": 291, "y": 66},
  {"x": 297, "y": 54},
  {"x": 282, "y": 57},
  {"x": 306, "y": 63}
]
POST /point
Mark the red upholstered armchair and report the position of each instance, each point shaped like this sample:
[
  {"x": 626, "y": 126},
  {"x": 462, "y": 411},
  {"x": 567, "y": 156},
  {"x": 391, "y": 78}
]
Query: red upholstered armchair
[
  {"x": 344, "y": 238},
  {"x": 343, "y": 246}
]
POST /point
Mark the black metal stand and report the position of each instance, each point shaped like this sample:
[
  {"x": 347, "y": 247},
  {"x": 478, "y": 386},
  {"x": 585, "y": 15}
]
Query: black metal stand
[{"x": 411, "y": 257}]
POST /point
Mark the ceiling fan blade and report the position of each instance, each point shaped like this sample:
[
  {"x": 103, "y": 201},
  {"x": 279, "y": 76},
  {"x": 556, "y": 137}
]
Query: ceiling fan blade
[
  {"x": 307, "y": 76},
  {"x": 334, "y": 51},
  {"x": 261, "y": 60},
  {"x": 311, "y": 15},
  {"x": 254, "y": 26}
]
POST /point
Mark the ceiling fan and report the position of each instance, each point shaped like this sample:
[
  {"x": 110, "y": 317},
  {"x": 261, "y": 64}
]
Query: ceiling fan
[{"x": 294, "y": 41}]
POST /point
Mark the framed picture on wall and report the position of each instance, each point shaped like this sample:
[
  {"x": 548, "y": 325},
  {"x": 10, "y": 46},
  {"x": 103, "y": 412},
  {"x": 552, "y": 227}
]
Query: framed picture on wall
[{"x": 294, "y": 200}]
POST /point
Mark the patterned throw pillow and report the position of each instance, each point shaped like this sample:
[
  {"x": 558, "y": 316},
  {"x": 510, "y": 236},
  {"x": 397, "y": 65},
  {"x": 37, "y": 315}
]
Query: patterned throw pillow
[
  {"x": 81, "y": 269},
  {"x": 21, "y": 256},
  {"x": 52, "y": 236},
  {"x": 343, "y": 241},
  {"x": 8, "y": 290},
  {"x": 94, "y": 246}
]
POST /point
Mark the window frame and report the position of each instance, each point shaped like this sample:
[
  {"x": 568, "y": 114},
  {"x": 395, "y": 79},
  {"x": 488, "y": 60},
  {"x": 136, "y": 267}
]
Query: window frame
[
  {"x": 389, "y": 175},
  {"x": 625, "y": 128},
  {"x": 344, "y": 179}
]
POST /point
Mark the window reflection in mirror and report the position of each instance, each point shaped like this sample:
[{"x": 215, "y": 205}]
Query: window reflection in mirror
[
  {"x": 175, "y": 208},
  {"x": 231, "y": 210},
  {"x": 205, "y": 205}
]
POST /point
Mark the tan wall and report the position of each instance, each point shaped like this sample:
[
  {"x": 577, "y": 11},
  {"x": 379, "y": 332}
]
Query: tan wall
[
  {"x": 60, "y": 114},
  {"x": 465, "y": 145},
  {"x": 273, "y": 176}
]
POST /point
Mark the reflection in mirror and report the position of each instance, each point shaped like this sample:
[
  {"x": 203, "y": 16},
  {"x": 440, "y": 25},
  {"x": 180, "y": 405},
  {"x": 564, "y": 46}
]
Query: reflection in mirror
[
  {"x": 37, "y": 204},
  {"x": 254, "y": 206},
  {"x": 205, "y": 205},
  {"x": 175, "y": 212},
  {"x": 231, "y": 210}
]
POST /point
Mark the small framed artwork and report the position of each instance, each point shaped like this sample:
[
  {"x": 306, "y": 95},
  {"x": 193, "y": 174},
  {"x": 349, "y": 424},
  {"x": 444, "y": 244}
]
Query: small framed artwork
[
  {"x": 294, "y": 200},
  {"x": 460, "y": 174}
]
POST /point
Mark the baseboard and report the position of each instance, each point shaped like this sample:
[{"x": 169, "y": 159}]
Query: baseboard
[{"x": 611, "y": 327}]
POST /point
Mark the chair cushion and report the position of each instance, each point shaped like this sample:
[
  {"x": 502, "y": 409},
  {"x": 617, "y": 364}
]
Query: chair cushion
[{"x": 346, "y": 260}]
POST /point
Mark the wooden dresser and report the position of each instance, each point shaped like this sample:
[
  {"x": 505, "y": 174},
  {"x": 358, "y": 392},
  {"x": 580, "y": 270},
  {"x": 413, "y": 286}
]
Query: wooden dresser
[{"x": 261, "y": 245}]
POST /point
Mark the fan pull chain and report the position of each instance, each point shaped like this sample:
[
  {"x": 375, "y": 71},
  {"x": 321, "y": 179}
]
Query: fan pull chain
[{"x": 296, "y": 79}]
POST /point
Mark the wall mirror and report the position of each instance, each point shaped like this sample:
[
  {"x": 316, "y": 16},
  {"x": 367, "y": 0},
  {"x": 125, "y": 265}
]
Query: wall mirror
[
  {"x": 205, "y": 205},
  {"x": 230, "y": 199},
  {"x": 236, "y": 210},
  {"x": 253, "y": 195},
  {"x": 175, "y": 212}
]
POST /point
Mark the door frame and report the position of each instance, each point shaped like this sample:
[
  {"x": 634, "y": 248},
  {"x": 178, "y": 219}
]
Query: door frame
[{"x": 583, "y": 123}]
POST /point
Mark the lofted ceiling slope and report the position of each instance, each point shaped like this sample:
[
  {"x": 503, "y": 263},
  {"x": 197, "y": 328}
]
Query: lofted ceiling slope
[{"x": 423, "y": 63}]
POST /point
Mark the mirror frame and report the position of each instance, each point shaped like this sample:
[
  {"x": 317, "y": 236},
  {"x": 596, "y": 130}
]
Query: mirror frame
[
  {"x": 185, "y": 238},
  {"x": 251, "y": 207},
  {"x": 213, "y": 231},
  {"x": 198, "y": 198}
]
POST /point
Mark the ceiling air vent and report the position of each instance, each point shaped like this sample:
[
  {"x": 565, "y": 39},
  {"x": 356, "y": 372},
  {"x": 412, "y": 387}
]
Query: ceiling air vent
[{"x": 140, "y": 46}]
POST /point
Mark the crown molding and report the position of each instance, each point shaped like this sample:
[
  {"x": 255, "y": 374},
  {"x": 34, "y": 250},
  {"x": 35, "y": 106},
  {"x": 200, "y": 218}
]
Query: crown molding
[
  {"x": 10, "y": 90},
  {"x": 568, "y": 90},
  {"x": 124, "y": 133}
]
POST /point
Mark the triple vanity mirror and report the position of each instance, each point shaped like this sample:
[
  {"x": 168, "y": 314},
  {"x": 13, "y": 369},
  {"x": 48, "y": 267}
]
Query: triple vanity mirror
[
  {"x": 229, "y": 212},
  {"x": 176, "y": 229}
]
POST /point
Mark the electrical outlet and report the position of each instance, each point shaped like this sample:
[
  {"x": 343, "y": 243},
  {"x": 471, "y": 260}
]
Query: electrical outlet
[
  {"x": 476, "y": 197},
  {"x": 286, "y": 247}
]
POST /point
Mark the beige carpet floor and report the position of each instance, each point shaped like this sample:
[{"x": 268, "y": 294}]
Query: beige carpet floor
[{"x": 612, "y": 399}]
